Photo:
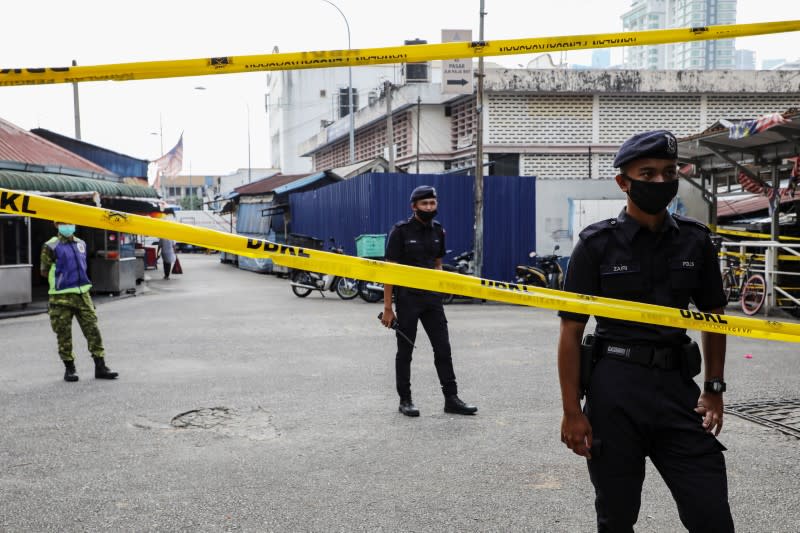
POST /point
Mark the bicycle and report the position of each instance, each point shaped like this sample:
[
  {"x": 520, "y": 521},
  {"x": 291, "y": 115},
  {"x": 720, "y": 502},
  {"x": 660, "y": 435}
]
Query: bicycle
[{"x": 739, "y": 283}]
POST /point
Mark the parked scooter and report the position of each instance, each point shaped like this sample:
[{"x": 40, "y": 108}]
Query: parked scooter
[
  {"x": 545, "y": 272},
  {"x": 303, "y": 281},
  {"x": 463, "y": 263}
]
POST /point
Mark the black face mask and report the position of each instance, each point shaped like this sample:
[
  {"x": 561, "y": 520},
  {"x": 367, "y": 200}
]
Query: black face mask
[
  {"x": 426, "y": 216},
  {"x": 651, "y": 197}
]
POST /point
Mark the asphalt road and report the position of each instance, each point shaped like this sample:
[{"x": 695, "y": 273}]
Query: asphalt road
[{"x": 292, "y": 421}]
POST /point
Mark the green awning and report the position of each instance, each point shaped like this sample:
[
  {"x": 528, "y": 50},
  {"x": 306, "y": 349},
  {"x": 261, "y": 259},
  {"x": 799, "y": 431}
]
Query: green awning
[{"x": 55, "y": 183}]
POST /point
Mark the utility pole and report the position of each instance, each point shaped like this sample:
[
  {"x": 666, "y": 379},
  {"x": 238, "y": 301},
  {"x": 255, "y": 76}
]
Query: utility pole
[
  {"x": 419, "y": 112},
  {"x": 76, "y": 105},
  {"x": 387, "y": 90},
  {"x": 479, "y": 159}
]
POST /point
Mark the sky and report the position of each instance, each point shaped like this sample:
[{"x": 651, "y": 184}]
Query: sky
[{"x": 143, "y": 118}]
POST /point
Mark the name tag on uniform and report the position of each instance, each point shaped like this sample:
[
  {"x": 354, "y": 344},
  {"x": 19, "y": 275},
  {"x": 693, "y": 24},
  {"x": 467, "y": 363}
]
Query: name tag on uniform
[
  {"x": 619, "y": 268},
  {"x": 685, "y": 264}
]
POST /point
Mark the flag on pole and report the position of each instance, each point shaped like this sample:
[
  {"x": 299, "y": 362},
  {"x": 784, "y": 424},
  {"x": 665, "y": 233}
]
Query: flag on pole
[
  {"x": 171, "y": 163},
  {"x": 746, "y": 128}
]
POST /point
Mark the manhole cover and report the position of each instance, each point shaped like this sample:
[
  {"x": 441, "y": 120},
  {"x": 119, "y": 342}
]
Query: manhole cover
[
  {"x": 253, "y": 424},
  {"x": 783, "y": 415}
]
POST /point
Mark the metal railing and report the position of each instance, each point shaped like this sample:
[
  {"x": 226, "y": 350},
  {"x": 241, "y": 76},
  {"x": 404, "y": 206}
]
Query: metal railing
[{"x": 766, "y": 260}]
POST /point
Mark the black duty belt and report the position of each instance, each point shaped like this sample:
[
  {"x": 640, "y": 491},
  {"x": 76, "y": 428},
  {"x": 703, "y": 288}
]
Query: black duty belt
[{"x": 666, "y": 358}]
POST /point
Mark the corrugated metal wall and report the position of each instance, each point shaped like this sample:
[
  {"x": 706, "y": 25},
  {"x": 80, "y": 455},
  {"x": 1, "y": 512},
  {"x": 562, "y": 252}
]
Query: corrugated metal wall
[
  {"x": 373, "y": 203},
  {"x": 249, "y": 220}
]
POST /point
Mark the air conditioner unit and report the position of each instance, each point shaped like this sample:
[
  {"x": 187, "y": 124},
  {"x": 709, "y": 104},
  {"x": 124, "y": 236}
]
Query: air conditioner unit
[{"x": 416, "y": 72}]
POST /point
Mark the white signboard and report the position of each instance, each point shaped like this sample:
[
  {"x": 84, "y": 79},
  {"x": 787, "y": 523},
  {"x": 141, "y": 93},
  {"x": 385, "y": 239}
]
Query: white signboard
[{"x": 457, "y": 73}]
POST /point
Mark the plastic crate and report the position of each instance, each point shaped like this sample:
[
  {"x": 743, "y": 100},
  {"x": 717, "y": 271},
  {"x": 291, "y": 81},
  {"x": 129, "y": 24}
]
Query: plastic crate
[{"x": 371, "y": 245}]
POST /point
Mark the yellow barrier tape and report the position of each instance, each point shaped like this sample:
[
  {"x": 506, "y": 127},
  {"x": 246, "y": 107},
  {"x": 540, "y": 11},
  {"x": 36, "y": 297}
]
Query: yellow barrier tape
[
  {"x": 740, "y": 233},
  {"x": 377, "y": 56},
  {"x": 36, "y": 206}
]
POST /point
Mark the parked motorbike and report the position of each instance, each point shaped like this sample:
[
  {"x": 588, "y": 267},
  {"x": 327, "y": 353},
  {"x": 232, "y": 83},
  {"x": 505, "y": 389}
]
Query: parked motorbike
[
  {"x": 545, "y": 272},
  {"x": 370, "y": 291},
  {"x": 463, "y": 263},
  {"x": 303, "y": 281}
]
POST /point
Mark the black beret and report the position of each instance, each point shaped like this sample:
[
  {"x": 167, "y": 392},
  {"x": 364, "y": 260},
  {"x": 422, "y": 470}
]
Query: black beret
[
  {"x": 658, "y": 144},
  {"x": 422, "y": 192}
]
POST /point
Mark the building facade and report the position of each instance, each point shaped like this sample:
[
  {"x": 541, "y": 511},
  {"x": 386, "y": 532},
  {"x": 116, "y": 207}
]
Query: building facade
[
  {"x": 300, "y": 103},
  {"x": 552, "y": 123}
]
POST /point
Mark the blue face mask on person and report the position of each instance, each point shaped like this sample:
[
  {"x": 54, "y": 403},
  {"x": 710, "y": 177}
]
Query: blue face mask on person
[{"x": 66, "y": 230}]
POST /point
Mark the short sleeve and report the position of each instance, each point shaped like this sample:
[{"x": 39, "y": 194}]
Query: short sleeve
[
  {"x": 394, "y": 245},
  {"x": 709, "y": 295},
  {"x": 582, "y": 278}
]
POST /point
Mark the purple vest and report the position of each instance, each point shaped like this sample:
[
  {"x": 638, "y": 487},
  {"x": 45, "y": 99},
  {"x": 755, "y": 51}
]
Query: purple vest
[{"x": 70, "y": 264}]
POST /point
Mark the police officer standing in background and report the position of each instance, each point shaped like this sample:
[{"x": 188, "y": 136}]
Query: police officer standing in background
[
  {"x": 642, "y": 400},
  {"x": 63, "y": 263},
  {"x": 419, "y": 242}
]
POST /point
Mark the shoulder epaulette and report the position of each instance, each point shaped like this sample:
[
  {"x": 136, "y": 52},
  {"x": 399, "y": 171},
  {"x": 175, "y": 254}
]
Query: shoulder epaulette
[
  {"x": 598, "y": 227},
  {"x": 688, "y": 220},
  {"x": 401, "y": 223}
]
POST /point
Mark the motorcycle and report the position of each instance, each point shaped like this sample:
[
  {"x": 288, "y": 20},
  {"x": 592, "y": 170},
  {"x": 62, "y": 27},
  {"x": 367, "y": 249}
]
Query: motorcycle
[
  {"x": 303, "y": 281},
  {"x": 546, "y": 272},
  {"x": 370, "y": 291},
  {"x": 463, "y": 263}
]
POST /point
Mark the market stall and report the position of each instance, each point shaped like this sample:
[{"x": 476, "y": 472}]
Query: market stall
[{"x": 16, "y": 265}]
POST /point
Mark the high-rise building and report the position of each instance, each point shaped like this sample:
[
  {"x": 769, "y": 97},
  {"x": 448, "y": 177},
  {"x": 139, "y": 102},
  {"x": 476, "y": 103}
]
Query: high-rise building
[
  {"x": 745, "y": 60},
  {"x": 658, "y": 14},
  {"x": 705, "y": 55},
  {"x": 601, "y": 58},
  {"x": 645, "y": 15},
  {"x": 769, "y": 64}
]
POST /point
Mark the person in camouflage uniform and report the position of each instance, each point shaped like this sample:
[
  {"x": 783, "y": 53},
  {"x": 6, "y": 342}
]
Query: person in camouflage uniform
[{"x": 63, "y": 263}]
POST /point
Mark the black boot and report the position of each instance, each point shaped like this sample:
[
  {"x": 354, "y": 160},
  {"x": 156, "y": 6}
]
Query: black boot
[
  {"x": 407, "y": 408},
  {"x": 454, "y": 405},
  {"x": 101, "y": 371},
  {"x": 69, "y": 371}
]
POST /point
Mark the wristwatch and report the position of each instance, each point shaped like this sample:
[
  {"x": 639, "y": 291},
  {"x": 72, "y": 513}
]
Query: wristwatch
[{"x": 715, "y": 386}]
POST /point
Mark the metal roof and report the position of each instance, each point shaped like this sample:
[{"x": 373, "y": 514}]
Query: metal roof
[
  {"x": 777, "y": 143},
  {"x": 269, "y": 185},
  {"x": 298, "y": 184},
  {"x": 18, "y": 145},
  {"x": 47, "y": 182},
  {"x": 120, "y": 164}
]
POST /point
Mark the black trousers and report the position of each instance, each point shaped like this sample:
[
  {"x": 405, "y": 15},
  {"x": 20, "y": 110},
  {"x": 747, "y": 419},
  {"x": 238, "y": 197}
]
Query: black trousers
[
  {"x": 639, "y": 412},
  {"x": 425, "y": 307}
]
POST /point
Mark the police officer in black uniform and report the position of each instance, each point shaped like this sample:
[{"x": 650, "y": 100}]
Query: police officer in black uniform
[
  {"x": 419, "y": 242},
  {"x": 642, "y": 400}
]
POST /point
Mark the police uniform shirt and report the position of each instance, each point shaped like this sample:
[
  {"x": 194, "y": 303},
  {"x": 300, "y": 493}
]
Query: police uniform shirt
[
  {"x": 618, "y": 258},
  {"x": 414, "y": 243}
]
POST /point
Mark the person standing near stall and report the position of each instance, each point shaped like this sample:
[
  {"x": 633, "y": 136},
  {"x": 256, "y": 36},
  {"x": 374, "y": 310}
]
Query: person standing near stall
[
  {"x": 166, "y": 248},
  {"x": 63, "y": 263}
]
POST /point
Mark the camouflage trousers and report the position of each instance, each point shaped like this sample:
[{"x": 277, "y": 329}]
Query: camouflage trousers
[{"x": 61, "y": 310}]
